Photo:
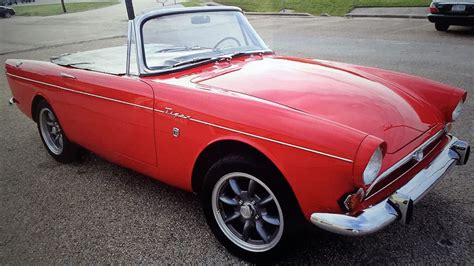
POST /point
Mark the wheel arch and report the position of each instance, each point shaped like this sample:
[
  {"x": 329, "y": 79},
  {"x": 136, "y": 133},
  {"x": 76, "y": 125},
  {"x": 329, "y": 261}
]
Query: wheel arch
[
  {"x": 216, "y": 150},
  {"x": 36, "y": 100},
  {"x": 222, "y": 147}
]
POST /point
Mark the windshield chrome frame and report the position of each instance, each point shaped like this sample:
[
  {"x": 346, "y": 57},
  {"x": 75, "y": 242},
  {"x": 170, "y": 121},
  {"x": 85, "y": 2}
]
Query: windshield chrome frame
[
  {"x": 129, "y": 47},
  {"x": 135, "y": 28}
]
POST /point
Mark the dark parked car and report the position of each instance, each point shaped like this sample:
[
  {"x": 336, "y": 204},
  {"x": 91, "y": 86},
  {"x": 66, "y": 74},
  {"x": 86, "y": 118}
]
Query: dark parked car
[
  {"x": 447, "y": 13},
  {"x": 6, "y": 12},
  {"x": 8, "y": 2}
]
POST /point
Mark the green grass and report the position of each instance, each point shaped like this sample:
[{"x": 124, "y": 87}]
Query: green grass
[
  {"x": 317, "y": 7},
  {"x": 56, "y": 9},
  {"x": 191, "y": 3}
]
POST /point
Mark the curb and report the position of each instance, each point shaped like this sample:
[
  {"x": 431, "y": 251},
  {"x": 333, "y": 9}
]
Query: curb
[
  {"x": 265, "y": 13},
  {"x": 385, "y": 16},
  {"x": 279, "y": 14}
]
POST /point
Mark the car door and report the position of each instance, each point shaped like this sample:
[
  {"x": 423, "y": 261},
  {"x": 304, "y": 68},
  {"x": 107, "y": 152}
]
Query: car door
[{"x": 110, "y": 115}]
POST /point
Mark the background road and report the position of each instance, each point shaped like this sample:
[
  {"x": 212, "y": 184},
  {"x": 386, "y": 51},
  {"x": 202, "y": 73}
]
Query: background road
[
  {"x": 95, "y": 211},
  {"x": 26, "y": 33}
]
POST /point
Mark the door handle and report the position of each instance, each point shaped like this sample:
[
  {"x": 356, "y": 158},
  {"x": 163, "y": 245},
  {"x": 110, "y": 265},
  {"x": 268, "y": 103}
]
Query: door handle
[{"x": 68, "y": 76}]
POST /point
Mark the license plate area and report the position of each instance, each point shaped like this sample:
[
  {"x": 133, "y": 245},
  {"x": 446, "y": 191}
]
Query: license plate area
[{"x": 458, "y": 8}]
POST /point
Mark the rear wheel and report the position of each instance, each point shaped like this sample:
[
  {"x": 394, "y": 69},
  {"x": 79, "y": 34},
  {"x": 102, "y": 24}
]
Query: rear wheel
[
  {"x": 249, "y": 209},
  {"x": 53, "y": 137},
  {"x": 8, "y": 15},
  {"x": 441, "y": 26}
]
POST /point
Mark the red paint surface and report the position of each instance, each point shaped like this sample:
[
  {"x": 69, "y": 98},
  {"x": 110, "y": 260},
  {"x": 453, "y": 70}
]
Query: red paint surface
[{"x": 338, "y": 109}]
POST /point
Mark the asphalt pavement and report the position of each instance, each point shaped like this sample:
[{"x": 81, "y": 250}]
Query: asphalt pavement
[
  {"x": 97, "y": 212},
  {"x": 21, "y": 33}
]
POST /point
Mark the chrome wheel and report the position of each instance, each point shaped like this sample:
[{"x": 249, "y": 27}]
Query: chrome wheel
[
  {"x": 247, "y": 211},
  {"x": 51, "y": 131}
]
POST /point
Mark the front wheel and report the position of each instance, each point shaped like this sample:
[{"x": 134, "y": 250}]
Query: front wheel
[
  {"x": 249, "y": 208},
  {"x": 441, "y": 26},
  {"x": 8, "y": 15},
  {"x": 53, "y": 137}
]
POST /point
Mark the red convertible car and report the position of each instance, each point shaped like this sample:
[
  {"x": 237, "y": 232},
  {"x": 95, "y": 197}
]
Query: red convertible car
[{"x": 197, "y": 100}]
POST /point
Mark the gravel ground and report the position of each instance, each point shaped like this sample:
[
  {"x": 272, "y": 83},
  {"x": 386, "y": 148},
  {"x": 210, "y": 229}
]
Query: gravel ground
[{"x": 97, "y": 212}]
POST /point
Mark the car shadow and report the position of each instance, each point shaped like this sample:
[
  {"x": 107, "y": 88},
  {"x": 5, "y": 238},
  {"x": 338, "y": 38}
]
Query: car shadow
[{"x": 461, "y": 31}]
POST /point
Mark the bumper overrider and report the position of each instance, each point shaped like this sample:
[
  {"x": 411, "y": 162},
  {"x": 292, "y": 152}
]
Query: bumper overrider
[{"x": 398, "y": 206}]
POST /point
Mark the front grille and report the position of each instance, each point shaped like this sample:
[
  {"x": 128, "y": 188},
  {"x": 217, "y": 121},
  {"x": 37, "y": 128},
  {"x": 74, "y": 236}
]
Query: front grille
[{"x": 406, "y": 164}]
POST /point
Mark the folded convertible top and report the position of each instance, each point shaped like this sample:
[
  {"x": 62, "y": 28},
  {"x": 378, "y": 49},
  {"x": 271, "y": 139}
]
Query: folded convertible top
[{"x": 108, "y": 60}]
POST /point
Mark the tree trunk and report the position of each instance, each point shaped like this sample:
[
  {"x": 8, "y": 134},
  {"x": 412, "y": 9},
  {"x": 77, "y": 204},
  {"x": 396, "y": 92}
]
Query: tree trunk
[{"x": 64, "y": 6}]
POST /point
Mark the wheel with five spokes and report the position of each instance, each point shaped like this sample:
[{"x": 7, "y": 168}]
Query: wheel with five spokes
[
  {"x": 249, "y": 208},
  {"x": 52, "y": 135}
]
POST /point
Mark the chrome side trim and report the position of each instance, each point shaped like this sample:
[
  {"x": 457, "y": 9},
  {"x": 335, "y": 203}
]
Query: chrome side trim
[
  {"x": 81, "y": 92},
  {"x": 379, "y": 216},
  {"x": 272, "y": 140},
  {"x": 403, "y": 161},
  {"x": 263, "y": 138},
  {"x": 190, "y": 118}
]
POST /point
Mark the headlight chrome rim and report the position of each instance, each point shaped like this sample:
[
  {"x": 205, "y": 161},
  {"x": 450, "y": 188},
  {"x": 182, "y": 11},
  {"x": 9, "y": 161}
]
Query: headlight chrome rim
[{"x": 457, "y": 111}]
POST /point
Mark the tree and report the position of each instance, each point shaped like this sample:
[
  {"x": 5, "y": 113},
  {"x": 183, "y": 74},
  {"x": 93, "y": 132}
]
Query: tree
[{"x": 64, "y": 6}]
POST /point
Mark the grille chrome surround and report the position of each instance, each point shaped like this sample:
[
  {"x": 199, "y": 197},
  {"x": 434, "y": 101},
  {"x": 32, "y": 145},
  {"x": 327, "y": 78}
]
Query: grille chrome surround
[{"x": 407, "y": 159}]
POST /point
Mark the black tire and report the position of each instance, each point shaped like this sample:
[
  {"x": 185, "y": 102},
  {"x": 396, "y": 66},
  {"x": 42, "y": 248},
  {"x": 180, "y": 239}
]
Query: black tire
[
  {"x": 290, "y": 220},
  {"x": 8, "y": 15},
  {"x": 69, "y": 151},
  {"x": 441, "y": 26}
]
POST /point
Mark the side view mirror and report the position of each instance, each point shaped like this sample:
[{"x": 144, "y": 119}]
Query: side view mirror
[{"x": 200, "y": 19}]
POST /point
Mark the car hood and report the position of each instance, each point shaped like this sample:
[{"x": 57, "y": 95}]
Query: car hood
[{"x": 333, "y": 93}]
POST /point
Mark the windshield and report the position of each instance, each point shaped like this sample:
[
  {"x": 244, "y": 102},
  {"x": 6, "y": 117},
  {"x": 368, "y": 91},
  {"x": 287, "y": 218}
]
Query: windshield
[{"x": 177, "y": 40}]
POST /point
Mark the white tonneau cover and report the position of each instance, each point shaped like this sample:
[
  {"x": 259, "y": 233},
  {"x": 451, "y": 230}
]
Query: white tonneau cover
[{"x": 108, "y": 60}]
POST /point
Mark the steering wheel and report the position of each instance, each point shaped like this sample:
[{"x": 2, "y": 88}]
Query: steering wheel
[{"x": 227, "y": 39}]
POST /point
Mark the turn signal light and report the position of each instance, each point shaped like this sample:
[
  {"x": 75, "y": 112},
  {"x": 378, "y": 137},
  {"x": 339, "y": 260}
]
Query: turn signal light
[
  {"x": 448, "y": 127},
  {"x": 353, "y": 200}
]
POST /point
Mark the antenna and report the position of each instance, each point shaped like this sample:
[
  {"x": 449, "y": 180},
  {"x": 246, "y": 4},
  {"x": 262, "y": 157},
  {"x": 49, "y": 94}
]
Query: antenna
[{"x": 130, "y": 12}]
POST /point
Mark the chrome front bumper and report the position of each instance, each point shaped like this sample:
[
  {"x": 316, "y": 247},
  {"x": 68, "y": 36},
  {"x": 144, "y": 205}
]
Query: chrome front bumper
[{"x": 399, "y": 205}]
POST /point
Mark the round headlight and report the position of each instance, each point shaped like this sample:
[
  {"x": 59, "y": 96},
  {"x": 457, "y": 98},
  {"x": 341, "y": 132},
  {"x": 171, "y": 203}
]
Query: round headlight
[
  {"x": 373, "y": 167},
  {"x": 457, "y": 110}
]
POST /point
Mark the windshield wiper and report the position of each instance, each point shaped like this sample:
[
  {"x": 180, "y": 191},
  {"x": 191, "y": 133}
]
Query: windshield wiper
[
  {"x": 195, "y": 60},
  {"x": 226, "y": 57},
  {"x": 181, "y": 48},
  {"x": 249, "y": 53}
]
